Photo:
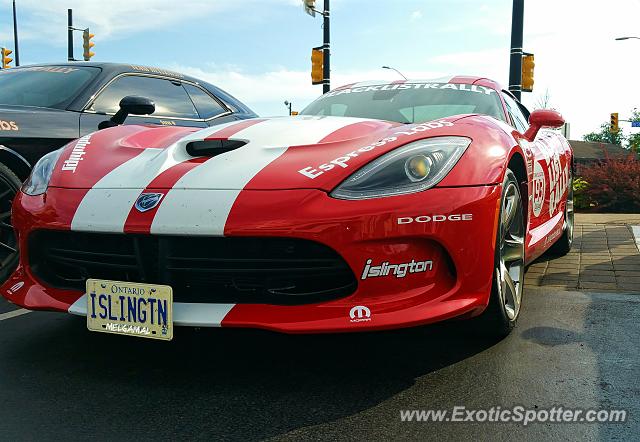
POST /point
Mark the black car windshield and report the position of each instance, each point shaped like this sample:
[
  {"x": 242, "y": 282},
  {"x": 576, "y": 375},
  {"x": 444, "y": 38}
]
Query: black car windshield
[
  {"x": 408, "y": 102},
  {"x": 44, "y": 86}
]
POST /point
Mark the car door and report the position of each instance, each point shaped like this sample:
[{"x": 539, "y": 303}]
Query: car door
[
  {"x": 174, "y": 107},
  {"x": 549, "y": 177}
]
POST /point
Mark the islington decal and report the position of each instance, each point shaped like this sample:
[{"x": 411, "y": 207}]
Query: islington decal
[{"x": 398, "y": 270}]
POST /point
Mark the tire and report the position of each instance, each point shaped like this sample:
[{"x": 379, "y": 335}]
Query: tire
[
  {"x": 563, "y": 245},
  {"x": 9, "y": 187},
  {"x": 502, "y": 313}
]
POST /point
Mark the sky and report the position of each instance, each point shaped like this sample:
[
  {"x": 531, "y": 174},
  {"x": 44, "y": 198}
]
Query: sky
[{"x": 259, "y": 50}]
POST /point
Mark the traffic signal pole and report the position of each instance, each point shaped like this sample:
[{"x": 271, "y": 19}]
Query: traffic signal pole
[
  {"x": 326, "y": 46},
  {"x": 70, "y": 35},
  {"x": 15, "y": 35},
  {"x": 515, "y": 65}
]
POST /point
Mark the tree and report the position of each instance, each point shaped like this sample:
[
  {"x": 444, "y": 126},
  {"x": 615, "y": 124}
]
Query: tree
[
  {"x": 605, "y": 136},
  {"x": 634, "y": 139},
  {"x": 543, "y": 101}
]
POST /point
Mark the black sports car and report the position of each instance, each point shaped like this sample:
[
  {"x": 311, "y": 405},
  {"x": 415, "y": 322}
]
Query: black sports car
[{"x": 43, "y": 107}]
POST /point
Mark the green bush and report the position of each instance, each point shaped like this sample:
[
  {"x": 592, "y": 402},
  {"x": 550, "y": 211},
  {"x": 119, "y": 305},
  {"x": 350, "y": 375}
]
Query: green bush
[
  {"x": 580, "y": 198},
  {"x": 611, "y": 185}
]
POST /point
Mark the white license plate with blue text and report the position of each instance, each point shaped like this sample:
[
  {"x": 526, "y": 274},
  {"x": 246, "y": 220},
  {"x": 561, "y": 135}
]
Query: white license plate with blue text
[{"x": 130, "y": 308}]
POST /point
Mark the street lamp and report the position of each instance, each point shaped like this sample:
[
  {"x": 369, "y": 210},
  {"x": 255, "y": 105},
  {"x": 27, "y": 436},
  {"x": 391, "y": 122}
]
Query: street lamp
[
  {"x": 394, "y": 69},
  {"x": 287, "y": 103},
  {"x": 627, "y": 38}
]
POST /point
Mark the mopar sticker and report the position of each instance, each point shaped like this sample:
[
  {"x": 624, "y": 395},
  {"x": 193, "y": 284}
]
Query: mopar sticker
[{"x": 360, "y": 313}]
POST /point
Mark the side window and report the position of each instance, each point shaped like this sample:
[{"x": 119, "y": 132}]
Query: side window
[
  {"x": 206, "y": 105},
  {"x": 171, "y": 99},
  {"x": 519, "y": 120}
]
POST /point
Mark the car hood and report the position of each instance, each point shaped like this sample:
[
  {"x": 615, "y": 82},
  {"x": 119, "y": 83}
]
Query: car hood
[{"x": 257, "y": 154}]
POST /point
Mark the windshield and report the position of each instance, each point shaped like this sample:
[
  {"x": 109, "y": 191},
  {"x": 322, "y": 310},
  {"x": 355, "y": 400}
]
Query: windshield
[
  {"x": 43, "y": 86},
  {"x": 408, "y": 102}
]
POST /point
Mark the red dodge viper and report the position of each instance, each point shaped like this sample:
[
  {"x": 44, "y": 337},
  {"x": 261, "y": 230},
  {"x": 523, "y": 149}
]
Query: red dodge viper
[{"x": 382, "y": 205}]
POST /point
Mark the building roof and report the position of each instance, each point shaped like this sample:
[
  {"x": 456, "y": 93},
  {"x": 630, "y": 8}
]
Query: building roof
[{"x": 586, "y": 150}]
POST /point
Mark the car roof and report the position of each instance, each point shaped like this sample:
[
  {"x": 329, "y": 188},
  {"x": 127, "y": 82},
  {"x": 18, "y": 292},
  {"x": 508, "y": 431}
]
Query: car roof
[
  {"x": 110, "y": 70},
  {"x": 116, "y": 68},
  {"x": 457, "y": 79}
]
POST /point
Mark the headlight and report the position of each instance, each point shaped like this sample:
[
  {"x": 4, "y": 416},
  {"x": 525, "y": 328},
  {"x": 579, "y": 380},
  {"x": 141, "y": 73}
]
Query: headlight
[
  {"x": 38, "y": 181},
  {"x": 408, "y": 169}
]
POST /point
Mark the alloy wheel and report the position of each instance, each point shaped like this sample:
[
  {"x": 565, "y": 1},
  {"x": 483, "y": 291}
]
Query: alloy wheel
[
  {"x": 569, "y": 216},
  {"x": 510, "y": 271}
]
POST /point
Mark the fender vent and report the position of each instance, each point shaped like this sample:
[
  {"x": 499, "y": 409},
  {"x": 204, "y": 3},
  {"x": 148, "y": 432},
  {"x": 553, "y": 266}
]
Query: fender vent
[{"x": 213, "y": 147}]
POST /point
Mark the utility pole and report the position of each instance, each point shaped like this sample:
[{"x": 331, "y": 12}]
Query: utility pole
[
  {"x": 70, "y": 35},
  {"x": 15, "y": 34},
  {"x": 326, "y": 46},
  {"x": 515, "y": 65}
]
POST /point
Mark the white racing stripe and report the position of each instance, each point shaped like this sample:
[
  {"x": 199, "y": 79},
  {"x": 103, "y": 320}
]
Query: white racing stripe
[
  {"x": 106, "y": 206},
  {"x": 183, "y": 209},
  {"x": 184, "y": 314},
  {"x": 14, "y": 313}
]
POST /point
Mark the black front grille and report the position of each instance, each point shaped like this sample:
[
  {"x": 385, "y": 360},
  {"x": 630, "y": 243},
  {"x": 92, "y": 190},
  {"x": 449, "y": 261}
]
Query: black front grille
[{"x": 200, "y": 269}]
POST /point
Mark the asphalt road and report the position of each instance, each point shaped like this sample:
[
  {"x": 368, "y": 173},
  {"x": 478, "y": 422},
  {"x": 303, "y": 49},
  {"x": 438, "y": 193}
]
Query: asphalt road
[{"x": 58, "y": 381}]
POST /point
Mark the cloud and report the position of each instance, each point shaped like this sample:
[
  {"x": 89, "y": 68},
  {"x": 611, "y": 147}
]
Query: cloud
[
  {"x": 118, "y": 18},
  {"x": 588, "y": 73}
]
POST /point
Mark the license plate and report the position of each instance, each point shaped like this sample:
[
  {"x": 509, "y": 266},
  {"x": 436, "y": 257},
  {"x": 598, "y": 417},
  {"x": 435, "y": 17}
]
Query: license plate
[{"x": 130, "y": 308}]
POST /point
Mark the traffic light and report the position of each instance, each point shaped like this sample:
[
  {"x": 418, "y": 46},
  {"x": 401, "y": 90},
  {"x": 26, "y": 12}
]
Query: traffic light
[
  {"x": 310, "y": 7},
  {"x": 614, "y": 127},
  {"x": 528, "y": 63},
  {"x": 87, "y": 44},
  {"x": 5, "y": 58},
  {"x": 317, "y": 65}
]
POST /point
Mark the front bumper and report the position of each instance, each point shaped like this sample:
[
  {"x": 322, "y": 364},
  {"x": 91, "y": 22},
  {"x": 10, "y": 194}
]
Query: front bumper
[{"x": 418, "y": 258}]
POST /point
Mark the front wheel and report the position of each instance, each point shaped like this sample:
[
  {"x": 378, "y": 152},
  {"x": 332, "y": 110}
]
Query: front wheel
[
  {"x": 9, "y": 187},
  {"x": 508, "y": 274}
]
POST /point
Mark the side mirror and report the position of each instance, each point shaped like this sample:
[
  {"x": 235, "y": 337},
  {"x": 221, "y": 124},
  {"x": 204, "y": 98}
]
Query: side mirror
[
  {"x": 130, "y": 104},
  {"x": 542, "y": 118}
]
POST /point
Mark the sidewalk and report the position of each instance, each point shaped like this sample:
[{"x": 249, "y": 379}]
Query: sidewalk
[{"x": 604, "y": 257}]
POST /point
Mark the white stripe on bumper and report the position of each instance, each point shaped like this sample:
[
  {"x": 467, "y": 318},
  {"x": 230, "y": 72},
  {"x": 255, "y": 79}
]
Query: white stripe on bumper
[{"x": 184, "y": 314}]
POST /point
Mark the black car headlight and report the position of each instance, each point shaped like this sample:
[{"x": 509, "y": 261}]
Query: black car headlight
[
  {"x": 38, "y": 181},
  {"x": 411, "y": 168}
]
